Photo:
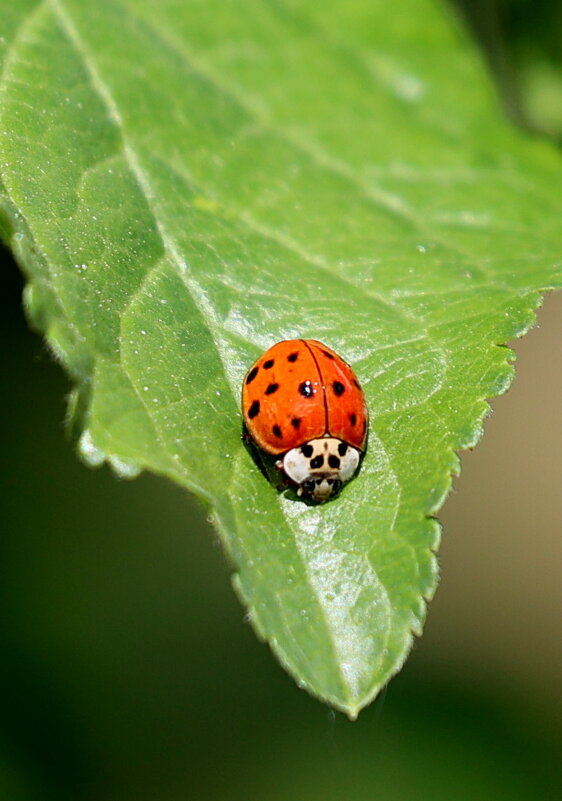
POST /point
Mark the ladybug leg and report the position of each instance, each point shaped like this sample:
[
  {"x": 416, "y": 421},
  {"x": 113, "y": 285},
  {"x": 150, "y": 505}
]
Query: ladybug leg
[
  {"x": 245, "y": 436},
  {"x": 278, "y": 478},
  {"x": 282, "y": 484}
]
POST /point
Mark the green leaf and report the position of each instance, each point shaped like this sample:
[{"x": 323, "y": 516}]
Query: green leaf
[{"x": 184, "y": 184}]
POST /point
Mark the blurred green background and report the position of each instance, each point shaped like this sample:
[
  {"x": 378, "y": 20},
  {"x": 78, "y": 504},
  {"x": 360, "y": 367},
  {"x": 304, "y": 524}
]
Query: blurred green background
[{"x": 129, "y": 671}]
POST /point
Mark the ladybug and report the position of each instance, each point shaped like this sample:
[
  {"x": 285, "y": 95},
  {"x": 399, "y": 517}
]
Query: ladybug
[{"x": 303, "y": 404}]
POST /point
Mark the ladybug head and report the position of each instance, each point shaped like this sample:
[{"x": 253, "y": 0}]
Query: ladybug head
[{"x": 321, "y": 467}]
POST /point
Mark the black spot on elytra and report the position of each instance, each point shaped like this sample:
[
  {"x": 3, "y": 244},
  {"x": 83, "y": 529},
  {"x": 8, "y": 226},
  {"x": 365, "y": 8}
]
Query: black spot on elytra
[
  {"x": 251, "y": 375},
  {"x": 277, "y": 431},
  {"x": 342, "y": 448},
  {"x": 268, "y": 364},
  {"x": 307, "y": 450},
  {"x": 292, "y": 357},
  {"x": 333, "y": 461},
  {"x": 306, "y": 389},
  {"x": 339, "y": 388},
  {"x": 329, "y": 355},
  {"x": 254, "y": 410},
  {"x": 353, "y": 418},
  {"x": 296, "y": 422},
  {"x": 271, "y": 389},
  {"x": 317, "y": 462}
]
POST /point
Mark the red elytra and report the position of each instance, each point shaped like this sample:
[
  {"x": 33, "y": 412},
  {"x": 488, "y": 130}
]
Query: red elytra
[{"x": 300, "y": 390}]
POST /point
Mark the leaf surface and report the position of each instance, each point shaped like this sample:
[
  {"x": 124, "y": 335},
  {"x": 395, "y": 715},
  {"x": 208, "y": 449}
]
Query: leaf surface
[{"x": 187, "y": 183}]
